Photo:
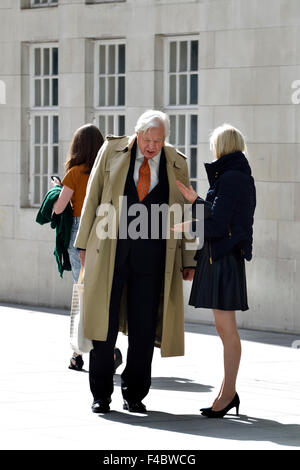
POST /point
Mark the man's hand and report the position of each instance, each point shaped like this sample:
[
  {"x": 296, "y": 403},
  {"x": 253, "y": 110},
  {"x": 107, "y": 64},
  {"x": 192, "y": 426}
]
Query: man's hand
[
  {"x": 182, "y": 227},
  {"x": 189, "y": 193},
  {"x": 82, "y": 257},
  {"x": 188, "y": 274}
]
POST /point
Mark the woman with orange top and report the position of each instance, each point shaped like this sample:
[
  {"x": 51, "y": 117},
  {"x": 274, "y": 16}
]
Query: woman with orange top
[{"x": 84, "y": 148}]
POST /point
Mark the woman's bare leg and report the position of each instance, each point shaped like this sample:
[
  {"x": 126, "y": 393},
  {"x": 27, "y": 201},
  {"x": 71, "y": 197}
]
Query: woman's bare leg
[{"x": 225, "y": 322}]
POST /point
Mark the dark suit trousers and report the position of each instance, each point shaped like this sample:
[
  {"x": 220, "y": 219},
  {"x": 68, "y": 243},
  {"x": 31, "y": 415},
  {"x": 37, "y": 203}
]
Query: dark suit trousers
[{"x": 143, "y": 294}]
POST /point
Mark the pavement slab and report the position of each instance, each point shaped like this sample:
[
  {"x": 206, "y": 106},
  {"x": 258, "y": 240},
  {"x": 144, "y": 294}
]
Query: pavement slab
[{"x": 46, "y": 406}]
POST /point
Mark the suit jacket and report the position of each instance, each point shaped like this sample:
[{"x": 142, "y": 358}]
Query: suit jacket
[{"x": 147, "y": 251}]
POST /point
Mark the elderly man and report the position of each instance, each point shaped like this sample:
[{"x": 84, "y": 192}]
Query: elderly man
[{"x": 133, "y": 284}]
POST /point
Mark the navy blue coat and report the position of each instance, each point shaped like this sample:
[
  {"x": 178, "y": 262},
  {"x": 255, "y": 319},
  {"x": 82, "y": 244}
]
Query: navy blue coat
[{"x": 232, "y": 200}]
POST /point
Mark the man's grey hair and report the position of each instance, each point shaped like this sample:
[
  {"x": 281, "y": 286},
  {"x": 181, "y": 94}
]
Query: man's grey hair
[{"x": 153, "y": 118}]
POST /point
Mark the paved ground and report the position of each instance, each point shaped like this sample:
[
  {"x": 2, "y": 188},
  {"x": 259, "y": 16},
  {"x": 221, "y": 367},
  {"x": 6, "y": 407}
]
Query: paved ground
[{"x": 43, "y": 405}]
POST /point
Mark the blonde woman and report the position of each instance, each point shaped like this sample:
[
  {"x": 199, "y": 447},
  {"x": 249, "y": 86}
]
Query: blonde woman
[{"x": 220, "y": 281}]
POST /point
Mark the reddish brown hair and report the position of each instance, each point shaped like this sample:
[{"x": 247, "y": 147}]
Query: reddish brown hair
[{"x": 84, "y": 147}]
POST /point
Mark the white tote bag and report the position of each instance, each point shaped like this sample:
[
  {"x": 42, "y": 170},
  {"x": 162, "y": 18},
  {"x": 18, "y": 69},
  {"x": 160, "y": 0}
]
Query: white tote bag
[{"x": 79, "y": 343}]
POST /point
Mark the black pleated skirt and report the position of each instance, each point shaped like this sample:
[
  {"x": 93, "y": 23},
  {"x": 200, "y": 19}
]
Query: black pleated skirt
[{"x": 220, "y": 285}]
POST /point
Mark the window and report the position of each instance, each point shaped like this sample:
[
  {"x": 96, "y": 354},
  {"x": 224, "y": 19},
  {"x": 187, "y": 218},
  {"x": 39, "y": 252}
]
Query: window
[
  {"x": 181, "y": 98},
  {"x": 41, "y": 3},
  {"x": 183, "y": 73},
  {"x": 43, "y": 119},
  {"x": 110, "y": 87},
  {"x": 183, "y": 135}
]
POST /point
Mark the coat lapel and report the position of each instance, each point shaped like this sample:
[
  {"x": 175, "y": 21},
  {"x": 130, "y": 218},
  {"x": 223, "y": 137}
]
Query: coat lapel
[
  {"x": 119, "y": 166},
  {"x": 175, "y": 172}
]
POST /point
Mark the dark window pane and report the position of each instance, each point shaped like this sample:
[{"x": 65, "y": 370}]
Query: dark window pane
[
  {"x": 194, "y": 185},
  {"x": 194, "y": 89},
  {"x": 173, "y": 57},
  {"x": 37, "y": 93},
  {"x": 102, "y": 125},
  {"x": 45, "y": 185},
  {"x": 194, "y": 55},
  {"x": 122, "y": 58},
  {"x": 46, "y": 61},
  {"x": 193, "y": 169},
  {"x": 55, "y": 129},
  {"x": 46, "y": 92},
  {"x": 110, "y": 127},
  {"x": 37, "y": 159},
  {"x": 55, "y": 92},
  {"x": 194, "y": 129},
  {"x": 183, "y": 56},
  {"x": 37, "y": 129},
  {"x": 121, "y": 125},
  {"x": 45, "y": 160},
  {"x": 111, "y": 58},
  {"x": 121, "y": 91},
  {"x": 172, "y": 137},
  {"x": 102, "y": 92},
  {"x": 37, "y": 189},
  {"x": 111, "y": 91},
  {"x": 37, "y": 61},
  {"x": 172, "y": 92},
  {"x": 55, "y": 159},
  {"x": 181, "y": 130},
  {"x": 182, "y": 89},
  {"x": 102, "y": 53},
  {"x": 45, "y": 129},
  {"x": 55, "y": 61}
]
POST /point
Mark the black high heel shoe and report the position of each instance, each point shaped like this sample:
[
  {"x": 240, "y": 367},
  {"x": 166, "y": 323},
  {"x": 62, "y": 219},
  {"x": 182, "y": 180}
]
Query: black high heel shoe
[
  {"x": 210, "y": 413},
  {"x": 118, "y": 358}
]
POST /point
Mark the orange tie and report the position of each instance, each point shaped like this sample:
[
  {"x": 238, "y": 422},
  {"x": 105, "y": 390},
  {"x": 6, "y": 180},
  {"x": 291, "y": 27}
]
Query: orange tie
[{"x": 143, "y": 184}]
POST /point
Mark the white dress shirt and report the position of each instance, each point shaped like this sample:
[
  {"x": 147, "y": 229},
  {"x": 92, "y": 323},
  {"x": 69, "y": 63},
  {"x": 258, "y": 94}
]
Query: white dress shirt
[{"x": 154, "y": 168}]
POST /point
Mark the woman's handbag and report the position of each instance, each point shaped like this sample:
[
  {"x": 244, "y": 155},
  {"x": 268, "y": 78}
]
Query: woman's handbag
[{"x": 79, "y": 343}]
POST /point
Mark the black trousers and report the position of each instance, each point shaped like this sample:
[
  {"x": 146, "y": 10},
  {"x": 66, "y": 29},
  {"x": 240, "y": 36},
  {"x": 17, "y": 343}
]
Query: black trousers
[{"x": 143, "y": 294}]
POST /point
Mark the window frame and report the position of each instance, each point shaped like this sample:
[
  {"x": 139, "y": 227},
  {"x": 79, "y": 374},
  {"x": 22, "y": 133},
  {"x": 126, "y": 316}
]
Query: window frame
[
  {"x": 49, "y": 111},
  {"x": 106, "y": 115},
  {"x": 182, "y": 109},
  {"x": 179, "y": 39},
  {"x": 107, "y": 111},
  {"x": 43, "y": 5},
  {"x": 188, "y": 145}
]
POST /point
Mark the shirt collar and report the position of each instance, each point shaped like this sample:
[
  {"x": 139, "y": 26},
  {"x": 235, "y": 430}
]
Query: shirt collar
[{"x": 140, "y": 156}]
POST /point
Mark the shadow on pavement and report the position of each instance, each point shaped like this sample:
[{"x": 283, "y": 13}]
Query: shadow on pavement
[
  {"x": 255, "y": 336},
  {"x": 178, "y": 384},
  {"x": 238, "y": 428}
]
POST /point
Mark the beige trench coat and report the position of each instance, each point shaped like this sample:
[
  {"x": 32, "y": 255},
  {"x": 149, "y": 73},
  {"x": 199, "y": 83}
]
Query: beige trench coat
[{"x": 106, "y": 184}]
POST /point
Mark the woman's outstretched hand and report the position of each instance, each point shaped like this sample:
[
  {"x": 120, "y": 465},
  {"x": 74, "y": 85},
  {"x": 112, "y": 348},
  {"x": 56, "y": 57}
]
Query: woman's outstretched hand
[{"x": 189, "y": 193}]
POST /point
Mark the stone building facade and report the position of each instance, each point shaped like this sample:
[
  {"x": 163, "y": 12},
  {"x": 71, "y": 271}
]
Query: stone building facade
[{"x": 68, "y": 62}]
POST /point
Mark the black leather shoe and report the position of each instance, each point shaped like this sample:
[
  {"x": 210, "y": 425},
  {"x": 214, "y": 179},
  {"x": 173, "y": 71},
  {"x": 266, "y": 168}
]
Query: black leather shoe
[
  {"x": 134, "y": 406},
  {"x": 101, "y": 406}
]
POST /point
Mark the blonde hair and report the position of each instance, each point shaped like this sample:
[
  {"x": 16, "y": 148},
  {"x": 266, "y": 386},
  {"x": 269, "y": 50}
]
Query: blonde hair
[{"x": 227, "y": 139}]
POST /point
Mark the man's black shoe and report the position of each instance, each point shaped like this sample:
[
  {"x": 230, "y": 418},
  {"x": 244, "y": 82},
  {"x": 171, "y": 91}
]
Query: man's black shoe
[
  {"x": 134, "y": 406},
  {"x": 101, "y": 406}
]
